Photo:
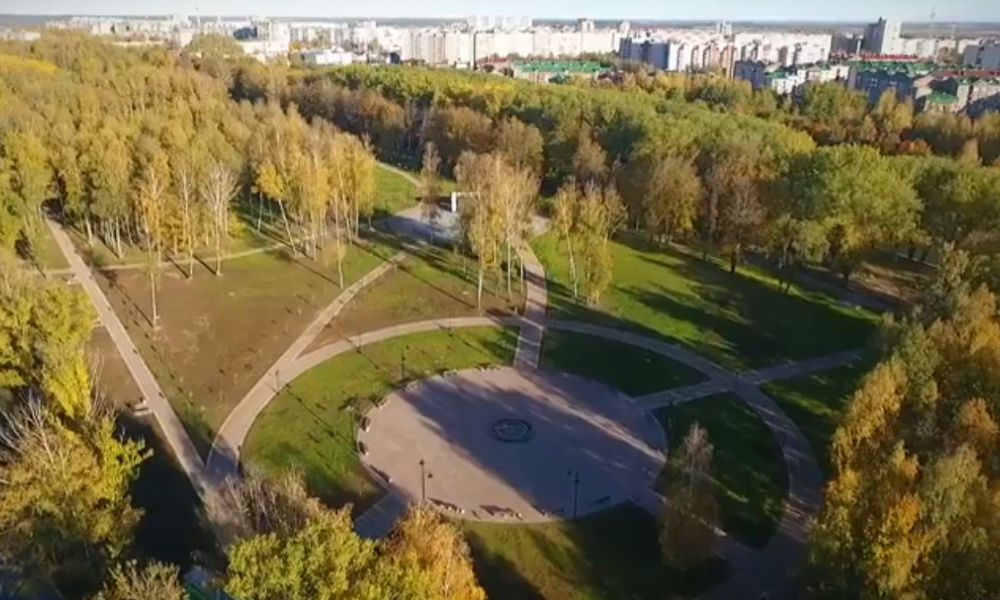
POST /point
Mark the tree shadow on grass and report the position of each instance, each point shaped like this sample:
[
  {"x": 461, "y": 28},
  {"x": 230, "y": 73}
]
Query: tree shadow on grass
[
  {"x": 610, "y": 554},
  {"x": 356, "y": 488},
  {"x": 499, "y": 576},
  {"x": 734, "y": 319},
  {"x": 174, "y": 528},
  {"x": 748, "y": 463}
]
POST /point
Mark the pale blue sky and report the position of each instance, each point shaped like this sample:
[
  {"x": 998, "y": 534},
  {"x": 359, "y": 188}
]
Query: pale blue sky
[{"x": 849, "y": 10}]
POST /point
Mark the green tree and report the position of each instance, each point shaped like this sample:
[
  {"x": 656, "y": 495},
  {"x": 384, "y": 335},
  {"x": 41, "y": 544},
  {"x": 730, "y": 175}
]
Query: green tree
[
  {"x": 599, "y": 216},
  {"x": 430, "y": 186},
  {"x": 44, "y": 330},
  {"x": 521, "y": 144},
  {"x": 565, "y": 221},
  {"x": 690, "y": 513},
  {"x": 436, "y": 556},
  {"x": 155, "y": 581},
  {"x": 670, "y": 194},
  {"x": 324, "y": 559},
  {"x": 152, "y": 187},
  {"x": 481, "y": 221},
  {"x": 65, "y": 509},
  {"x": 860, "y": 200}
]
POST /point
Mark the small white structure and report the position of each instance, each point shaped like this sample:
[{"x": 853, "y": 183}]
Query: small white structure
[{"x": 327, "y": 56}]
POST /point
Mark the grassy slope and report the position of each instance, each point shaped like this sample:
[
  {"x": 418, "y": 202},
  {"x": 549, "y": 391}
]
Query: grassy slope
[
  {"x": 739, "y": 320},
  {"x": 394, "y": 192},
  {"x": 310, "y": 425},
  {"x": 747, "y": 464}
]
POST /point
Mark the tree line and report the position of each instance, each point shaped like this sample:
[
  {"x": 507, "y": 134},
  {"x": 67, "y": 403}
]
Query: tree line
[
  {"x": 912, "y": 509},
  {"x": 832, "y": 114},
  {"x": 726, "y": 182},
  {"x": 135, "y": 149}
]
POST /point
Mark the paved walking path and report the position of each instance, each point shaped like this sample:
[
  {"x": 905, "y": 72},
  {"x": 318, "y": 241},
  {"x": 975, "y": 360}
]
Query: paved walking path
[
  {"x": 223, "y": 458},
  {"x": 729, "y": 381},
  {"x": 237, "y": 426},
  {"x": 170, "y": 425},
  {"x": 377, "y": 521},
  {"x": 771, "y": 570},
  {"x": 800, "y": 368},
  {"x": 529, "y": 341}
]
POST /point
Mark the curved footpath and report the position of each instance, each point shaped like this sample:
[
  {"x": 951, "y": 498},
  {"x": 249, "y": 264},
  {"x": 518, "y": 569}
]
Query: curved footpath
[{"x": 755, "y": 573}]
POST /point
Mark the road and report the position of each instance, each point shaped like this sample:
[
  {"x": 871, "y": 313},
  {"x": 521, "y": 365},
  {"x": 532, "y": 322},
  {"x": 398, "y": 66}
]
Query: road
[{"x": 529, "y": 341}]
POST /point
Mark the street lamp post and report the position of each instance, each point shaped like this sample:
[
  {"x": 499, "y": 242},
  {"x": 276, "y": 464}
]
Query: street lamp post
[
  {"x": 423, "y": 482},
  {"x": 402, "y": 366},
  {"x": 576, "y": 490}
]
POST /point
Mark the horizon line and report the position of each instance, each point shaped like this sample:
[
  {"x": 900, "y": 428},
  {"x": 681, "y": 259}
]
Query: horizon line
[{"x": 465, "y": 16}]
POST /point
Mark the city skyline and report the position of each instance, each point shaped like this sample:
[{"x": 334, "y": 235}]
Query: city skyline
[{"x": 733, "y": 10}]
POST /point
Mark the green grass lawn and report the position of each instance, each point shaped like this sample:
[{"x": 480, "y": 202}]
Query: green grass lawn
[
  {"x": 632, "y": 370},
  {"x": 815, "y": 403},
  {"x": 611, "y": 555},
  {"x": 312, "y": 423},
  {"x": 747, "y": 464},
  {"x": 430, "y": 283},
  {"x": 393, "y": 191},
  {"x": 738, "y": 320}
]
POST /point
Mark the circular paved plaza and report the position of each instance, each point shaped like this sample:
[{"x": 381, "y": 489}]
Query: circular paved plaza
[{"x": 505, "y": 444}]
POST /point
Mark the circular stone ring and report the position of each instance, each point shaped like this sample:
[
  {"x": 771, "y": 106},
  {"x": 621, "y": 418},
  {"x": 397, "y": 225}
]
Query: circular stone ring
[{"x": 512, "y": 431}]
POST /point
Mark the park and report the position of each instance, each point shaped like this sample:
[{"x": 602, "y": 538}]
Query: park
[{"x": 538, "y": 424}]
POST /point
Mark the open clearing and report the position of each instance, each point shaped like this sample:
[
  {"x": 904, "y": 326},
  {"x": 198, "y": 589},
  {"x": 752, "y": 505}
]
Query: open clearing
[
  {"x": 738, "y": 320},
  {"x": 218, "y": 335},
  {"x": 537, "y": 444},
  {"x": 430, "y": 283}
]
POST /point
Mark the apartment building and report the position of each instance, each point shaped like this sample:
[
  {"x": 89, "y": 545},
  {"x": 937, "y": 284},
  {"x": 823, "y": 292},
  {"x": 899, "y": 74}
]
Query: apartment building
[
  {"x": 787, "y": 80},
  {"x": 985, "y": 55}
]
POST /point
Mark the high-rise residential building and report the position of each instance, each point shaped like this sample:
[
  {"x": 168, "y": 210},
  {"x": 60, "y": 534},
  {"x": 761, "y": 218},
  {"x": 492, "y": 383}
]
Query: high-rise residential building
[
  {"x": 985, "y": 55},
  {"x": 585, "y": 25},
  {"x": 883, "y": 37}
]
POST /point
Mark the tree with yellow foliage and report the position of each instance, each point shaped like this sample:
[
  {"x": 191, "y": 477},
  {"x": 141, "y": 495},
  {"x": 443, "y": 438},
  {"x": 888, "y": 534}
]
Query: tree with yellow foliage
[
  {"x": 435, "y": 554},
  {"x": 909, "y": 510},
  {"x": 65, "y": 507}
]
